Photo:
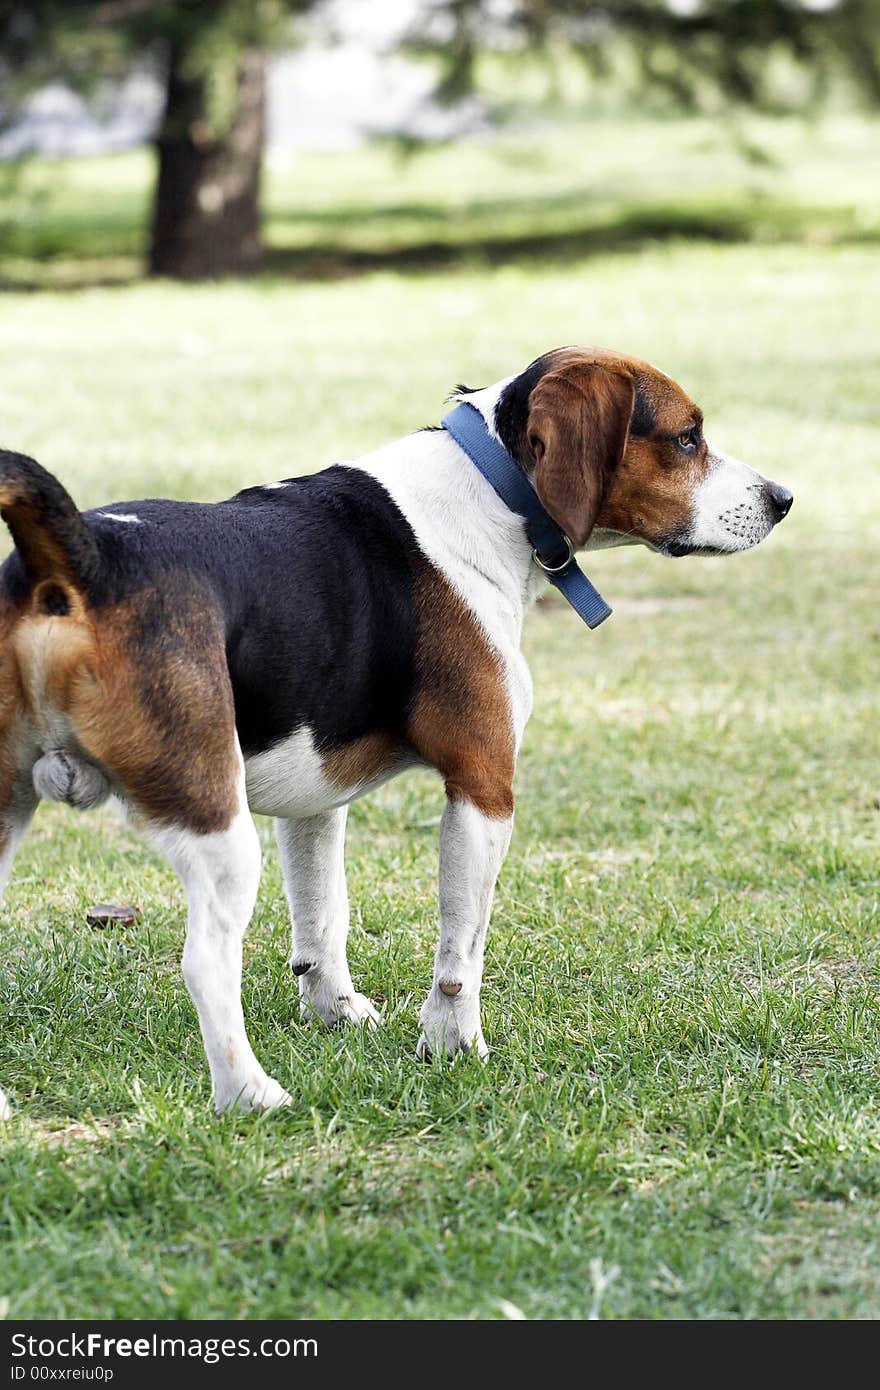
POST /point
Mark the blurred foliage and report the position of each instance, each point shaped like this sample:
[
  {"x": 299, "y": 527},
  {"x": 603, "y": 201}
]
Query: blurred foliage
[
  {"x": 82, "y": 42},
  {"x": 698, "y": 51},
  {"x": 697, "y": 54}
]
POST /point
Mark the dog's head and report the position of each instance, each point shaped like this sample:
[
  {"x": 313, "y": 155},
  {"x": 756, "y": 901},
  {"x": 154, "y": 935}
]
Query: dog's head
[{"x": 616, "y": 451}]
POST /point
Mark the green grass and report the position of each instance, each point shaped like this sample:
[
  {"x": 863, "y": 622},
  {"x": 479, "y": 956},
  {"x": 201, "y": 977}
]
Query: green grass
[{"x": 679, "y": 1117}]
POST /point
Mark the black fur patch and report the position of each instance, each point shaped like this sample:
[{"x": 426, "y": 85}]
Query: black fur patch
[
  {"x": 54, "y": 602},
  {"x": 644, "y": 421},
  {"x": 512, "y": 409},
  {"x": 321, "y": 618}
]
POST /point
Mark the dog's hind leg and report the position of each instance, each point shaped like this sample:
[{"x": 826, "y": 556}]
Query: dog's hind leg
[
  {"x": 18, "y": 801},
  {"x": 138, "y": 692},
  {"x": 312, "y": 859},
  {"x": 164, "y": 729},
  {"x": 221, "y": 873},
  {"x": 14, "y": 820}
]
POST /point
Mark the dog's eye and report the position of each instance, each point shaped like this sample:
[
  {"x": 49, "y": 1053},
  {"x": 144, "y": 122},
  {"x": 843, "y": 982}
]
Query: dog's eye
[{"x": 688, "y": 440}]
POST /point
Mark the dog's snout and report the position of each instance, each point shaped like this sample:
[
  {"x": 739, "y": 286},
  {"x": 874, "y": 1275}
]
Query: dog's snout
[{"x": 780, "y": 500}]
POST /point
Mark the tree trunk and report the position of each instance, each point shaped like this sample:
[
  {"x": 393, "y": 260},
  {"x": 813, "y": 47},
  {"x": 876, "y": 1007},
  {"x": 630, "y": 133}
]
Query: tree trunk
[{"x": 206, "y": 218}]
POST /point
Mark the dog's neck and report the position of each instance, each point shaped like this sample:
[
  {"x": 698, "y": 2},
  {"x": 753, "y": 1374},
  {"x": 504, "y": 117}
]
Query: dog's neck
[
  {"x": 459, "y": 521},
  {"x": 485, "y": 400}
]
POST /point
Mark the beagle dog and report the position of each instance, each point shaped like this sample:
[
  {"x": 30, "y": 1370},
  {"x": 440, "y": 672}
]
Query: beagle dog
[{"x": 290, "y": 649}]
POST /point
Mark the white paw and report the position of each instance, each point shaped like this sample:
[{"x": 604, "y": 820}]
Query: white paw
[
  {"x": 357, "y": 1008},
  {"x": 334, "y": 1004},
  {"x": 426, "y": 1049},
  {"x": 450, "y": 1026},
  {"x": 5, "y": 1107},
  {"x": 259, "y": 1094}
]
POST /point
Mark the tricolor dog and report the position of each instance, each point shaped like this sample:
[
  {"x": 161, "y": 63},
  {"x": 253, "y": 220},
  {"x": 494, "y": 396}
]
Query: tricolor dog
[{"x": 294, "y": 647}]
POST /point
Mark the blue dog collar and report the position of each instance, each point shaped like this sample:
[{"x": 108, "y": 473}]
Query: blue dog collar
[{"x": 552, "y": 550}]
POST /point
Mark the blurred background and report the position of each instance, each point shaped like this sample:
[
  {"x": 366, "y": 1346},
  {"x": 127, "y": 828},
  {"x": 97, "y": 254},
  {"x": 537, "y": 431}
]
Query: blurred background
[
  {"x": 264, "y": 234},
  {"x": 284, "y": 135},
  {"x": 390, "y": 198}
]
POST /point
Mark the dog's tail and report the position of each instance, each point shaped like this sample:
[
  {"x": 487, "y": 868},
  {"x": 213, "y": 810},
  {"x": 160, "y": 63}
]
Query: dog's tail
[{"x": 53, "y": 540}]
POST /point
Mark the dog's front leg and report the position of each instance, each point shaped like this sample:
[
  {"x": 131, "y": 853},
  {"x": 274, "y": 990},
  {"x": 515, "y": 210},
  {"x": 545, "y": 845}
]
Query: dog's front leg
[
  {"x": 313, "y": 862},
  {"x": 472, "y": 850}
]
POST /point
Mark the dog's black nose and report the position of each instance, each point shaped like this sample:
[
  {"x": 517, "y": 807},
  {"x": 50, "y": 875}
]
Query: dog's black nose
[{"x": 780, "y": 500}]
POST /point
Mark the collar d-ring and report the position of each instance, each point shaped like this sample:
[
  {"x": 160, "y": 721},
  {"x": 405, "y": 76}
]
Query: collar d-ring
[{"x": 555, "y": 569}]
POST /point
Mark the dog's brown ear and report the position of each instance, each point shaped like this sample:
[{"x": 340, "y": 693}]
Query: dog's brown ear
[{"x": 578, "y": 426}]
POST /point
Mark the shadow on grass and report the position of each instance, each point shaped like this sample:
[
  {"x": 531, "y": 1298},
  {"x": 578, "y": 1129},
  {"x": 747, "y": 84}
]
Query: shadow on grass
[
  {"x": 620, "y": 232},
  {"x": 558, "y": 247}
]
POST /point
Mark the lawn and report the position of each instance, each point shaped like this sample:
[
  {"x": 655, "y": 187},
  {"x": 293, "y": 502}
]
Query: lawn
[
  {"x": 546, "y": 194},
  {"x": 679, "y": 1116}
]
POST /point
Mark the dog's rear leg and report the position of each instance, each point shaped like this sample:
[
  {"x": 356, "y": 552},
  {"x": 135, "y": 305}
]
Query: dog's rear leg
[
  {"x": 20, "y": 802},
  {"x": 312, "y": 859},
  {"x": 13, "y": 825},
  {"x": 221, "y": 873},
  {"x": 157, "y": 712}
]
